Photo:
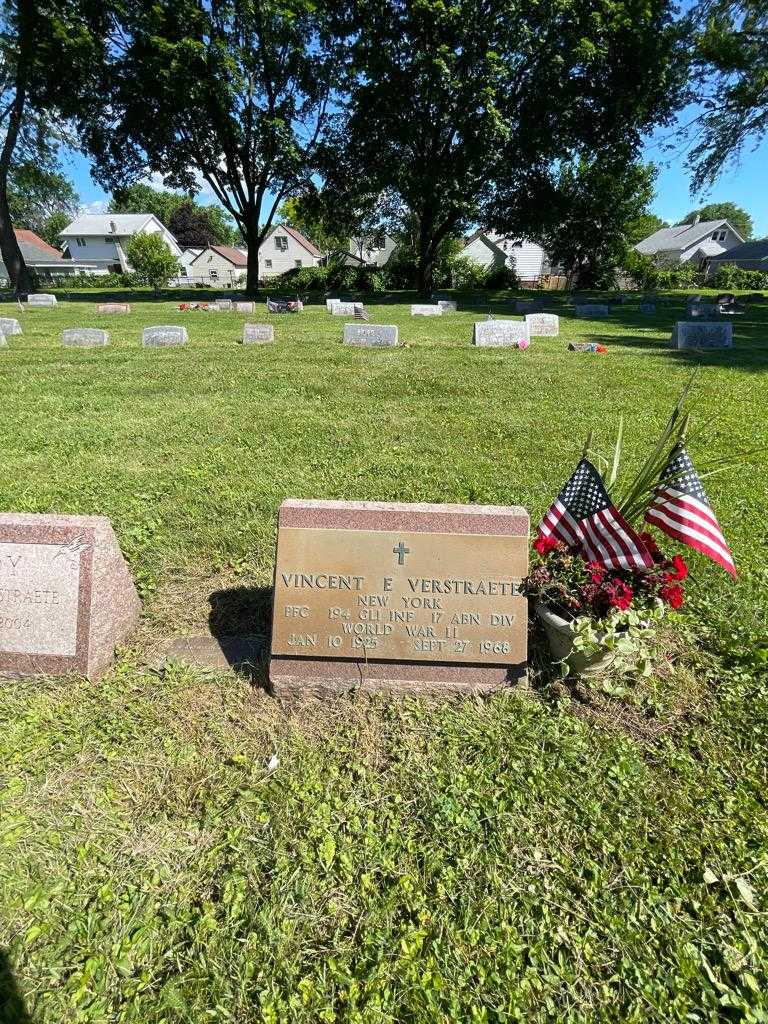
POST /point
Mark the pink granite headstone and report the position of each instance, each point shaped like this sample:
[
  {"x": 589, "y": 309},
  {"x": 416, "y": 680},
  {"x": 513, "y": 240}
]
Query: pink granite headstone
[
  {"x": 66, "y": 595},
  {"x": 400, "y": 597}
]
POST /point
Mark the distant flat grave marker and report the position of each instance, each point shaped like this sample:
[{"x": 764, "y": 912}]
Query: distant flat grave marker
[
  {"x": 9, "y": 326},
  {"x": 3, "y": 340},
  {"x": 244, "y": 307},
  {"x": 448, "y": 305},
  {"x": 258, "y": 334},
  {"x": 84, "y": 337},
  {"x": 162, "y": 337},
  {"x": 705, "y": 310},
  {"x": 387, "y": 596},
  {"x": 528, "y": 305},
  {"x": 345, "y": 308},
  {"x": 41, "y": 299},
  {"x": 371, "y": 335},
  {"x": 113, "y": 307},
  {"x": 66, "y": 595},
  {"x": 425, "y": 309},
  {"x": 593, "y": 310},
  {"x": 702, "y": 335},
  {"x": 223, "y": 305},
  {"x": 501, "y": 333},
  {"x": 543, "y": 325}
]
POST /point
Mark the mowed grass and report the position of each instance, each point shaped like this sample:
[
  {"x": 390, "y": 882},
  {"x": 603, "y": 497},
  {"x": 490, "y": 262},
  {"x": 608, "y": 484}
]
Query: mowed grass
[{"x": 523, "y": 858}]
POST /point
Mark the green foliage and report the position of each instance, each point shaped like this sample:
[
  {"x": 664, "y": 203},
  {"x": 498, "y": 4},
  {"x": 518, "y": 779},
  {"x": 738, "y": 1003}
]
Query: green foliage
[
  {"x": 78, "y": 282},
  {"x": 189, "y": 222},
  {"x": 152, "y": 261},
  {"x": 640, "y": 227},
  {"x": 736, "y": 215},
  {"x": 240, "y": 94},
  {"x": 409, "y": 860},
  {"x": 483, "y": 133},
  {"x": 728, "y": 276},
  {"x": 730, "y": 75},
  {"x": 41, "y": 199},
  {"x": 687, "y": 275},
  {"x": 466, "y": 274},
  {"x": 642, "y": 269}
]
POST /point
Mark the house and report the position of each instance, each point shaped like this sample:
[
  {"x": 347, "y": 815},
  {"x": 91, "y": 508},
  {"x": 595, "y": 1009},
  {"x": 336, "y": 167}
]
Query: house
[
  {"x": 371, "y": 250},
  {"x": 683, "y": 243},
  {"x": 101, "y": 239},
  {"x": 492, "y": 250},
  {"x": 748, "y": 256},
  {"x": 285, "y": 248},
  {"x": 218, "y": 264},
  {"x": 187, "y": 256},
  {"x": 46, "y": 261}
]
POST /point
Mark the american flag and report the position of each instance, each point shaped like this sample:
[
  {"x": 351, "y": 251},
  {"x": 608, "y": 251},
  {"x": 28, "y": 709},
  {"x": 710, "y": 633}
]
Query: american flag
[
  {"x": 584, "y": 517},
  {"x": 680, "y": 508}
]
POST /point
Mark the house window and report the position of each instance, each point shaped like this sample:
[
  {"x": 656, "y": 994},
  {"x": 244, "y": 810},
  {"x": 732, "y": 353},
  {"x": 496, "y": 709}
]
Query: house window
[
  {"x": 722, "y": 236},
  {"x": 297, "y": 263},
  {"x": 214, "y": 275},
  {"x": 281, "y": 243},
  {"x": 268, "y": 263},
  {"x": 108, "y": 240},
  {"x": 80, "y": 242},
  {"x": 714, "y": 236}
]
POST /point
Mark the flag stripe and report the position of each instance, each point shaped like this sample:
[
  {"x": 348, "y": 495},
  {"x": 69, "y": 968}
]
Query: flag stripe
[
  {"x": 708, "y": 528},
  {"x": 692, "y": 509},
  {"x": 726, "y": 561},
  {"x": 683, "y": 531},
  {"x": 632, "y": 554}
]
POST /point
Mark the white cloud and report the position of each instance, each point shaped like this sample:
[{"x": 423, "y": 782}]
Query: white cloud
[{"x": 96, "y": 207}]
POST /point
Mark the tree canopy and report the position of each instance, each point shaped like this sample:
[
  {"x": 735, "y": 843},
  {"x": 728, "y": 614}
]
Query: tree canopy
[
  {"x": 465, "y": 109},
  {"x": 42, "y": 199},
  {"x": 236, "y": 92},
  {"x": 152, "y": 261},
  {"x": 737, "y": 216},
  {"x": 730, "y": 44}
]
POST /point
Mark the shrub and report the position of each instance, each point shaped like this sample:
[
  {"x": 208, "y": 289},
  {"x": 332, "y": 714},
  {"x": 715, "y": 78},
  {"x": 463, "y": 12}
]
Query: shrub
[
  {"x": 73, "y": 282},
  {"x": 684, "y": 276},
  {"x": 153, "y": 262},
  {"x": 729, "y": 276},
  {"x": 466, "y": 274},
  {"x": 641, "y": 269},
  {"x": 502, "y": 277}
]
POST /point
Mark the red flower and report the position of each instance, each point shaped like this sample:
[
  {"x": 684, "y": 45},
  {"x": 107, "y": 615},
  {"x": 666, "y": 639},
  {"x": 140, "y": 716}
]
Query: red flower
[
  {"x": 597, "y": 571},
  {"x": 680, "y": 569},
  {"x": 653, "y": 547},
  {"x": 672, "y": 594},
  {"x": 619, "y": 594},
  {"x": 544, "y": 545}
]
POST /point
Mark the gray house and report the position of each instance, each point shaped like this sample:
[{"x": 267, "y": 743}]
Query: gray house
[
  {"x": 698, "y": 242},
  {"x": 748, "y": 256}
]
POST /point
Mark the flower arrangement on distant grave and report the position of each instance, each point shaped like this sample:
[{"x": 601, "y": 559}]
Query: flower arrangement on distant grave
[{"x": 600, "y": 581}]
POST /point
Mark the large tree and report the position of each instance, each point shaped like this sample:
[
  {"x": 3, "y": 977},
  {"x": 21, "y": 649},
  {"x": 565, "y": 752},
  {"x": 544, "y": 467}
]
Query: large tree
[
  {"x": 591, "y": 211},
  {"x": 456, "y": 103},
  {"x": 736, "y": 215},
  {"x": 235, "y": 91},
  {"x": 39, "y": 38},
  {"x": 730, "y": 41}
]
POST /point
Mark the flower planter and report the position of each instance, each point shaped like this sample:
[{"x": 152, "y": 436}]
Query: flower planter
[{"x": 560, "y": 639}]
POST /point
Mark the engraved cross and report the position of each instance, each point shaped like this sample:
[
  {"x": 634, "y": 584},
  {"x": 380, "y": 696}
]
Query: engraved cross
[{"x": 401, "y": 551}]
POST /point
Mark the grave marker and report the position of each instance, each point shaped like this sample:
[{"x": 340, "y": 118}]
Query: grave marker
[
  {"x": 501, "y": 333},
  {"x": 244, "y": 307},
  {"x": 448, "y": 305},
  {"x": 543, "y": 325},
  {"x": 9, "y": 326},
  {"x": 593, "y": 310},
  {"x": 113, "y": 307},
  {"x": 647, "y": 307},
  {"x": 84, "y": 337},
  {"x": 387, "y": 596},
  {"x": 3, "y": 340},
  {"x": 41, "y": 299},
  {"x": 66, "y": 595},
  {"x": 258, "y": 333},
  {"x": 705, "y": 310},
  {"x": 161, "y": 337},
  {"x": 702, "y": 335},
  {"x": 528, "y": 305},
  {"x": 424, "y": 309},
  {"x": 370, "y": 335},
  {"x": 345, "y": 308}
]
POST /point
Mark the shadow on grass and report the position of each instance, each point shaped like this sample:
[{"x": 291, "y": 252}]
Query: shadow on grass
[
  {"x": 745, "y": 356},
  {"x": 240, "y": 620},
  {"x": 12, "y": 1007}
]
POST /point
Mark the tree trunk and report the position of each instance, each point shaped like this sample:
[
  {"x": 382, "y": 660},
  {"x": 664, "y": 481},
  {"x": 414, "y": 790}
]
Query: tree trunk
[
  {"x": 17, "y": 269},
  {"x": 252, "y": 241},
  {"x": 425, "y": 264}
]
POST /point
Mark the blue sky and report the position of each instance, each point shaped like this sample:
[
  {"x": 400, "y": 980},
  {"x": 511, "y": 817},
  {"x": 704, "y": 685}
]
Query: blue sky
[{"x": 746, "y": 185}]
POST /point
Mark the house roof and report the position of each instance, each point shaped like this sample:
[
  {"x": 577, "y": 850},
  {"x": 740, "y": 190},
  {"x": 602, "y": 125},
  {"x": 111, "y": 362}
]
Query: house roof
[
  {"x": 35, "y": 251},
  {"x": 234, "y": 256},
  {"x": 681, "y": 236},
  {"x": 297, "y": 235},
  {"x": 757, "y": 251},
  {"x": 101, "y": 224}
]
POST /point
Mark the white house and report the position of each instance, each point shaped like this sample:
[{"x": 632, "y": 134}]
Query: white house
[
  {"x": 46, "y": 261},
  {"x": 490, "y": 250},
  {"x": 700, "y": 241},
  {"x": 372, "y": 250},
  {"x": 187, "y": 256},
  {"x": 101, "y": 239},
  {"x": 218, "y": 264},
  {"x": 285, "y": 248}
]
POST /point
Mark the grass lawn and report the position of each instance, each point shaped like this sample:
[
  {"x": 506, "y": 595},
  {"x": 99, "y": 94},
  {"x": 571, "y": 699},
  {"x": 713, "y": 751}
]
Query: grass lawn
[{"x": 582, "y": 857}]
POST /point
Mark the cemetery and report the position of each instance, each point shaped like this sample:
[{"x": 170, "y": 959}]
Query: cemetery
[{"x": 282, "y": 668}]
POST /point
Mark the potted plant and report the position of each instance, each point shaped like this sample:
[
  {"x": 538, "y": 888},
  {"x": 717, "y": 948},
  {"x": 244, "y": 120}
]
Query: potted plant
[
  {"x": 599, "y": 582},
  {"x": 597, "y": 619}
]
